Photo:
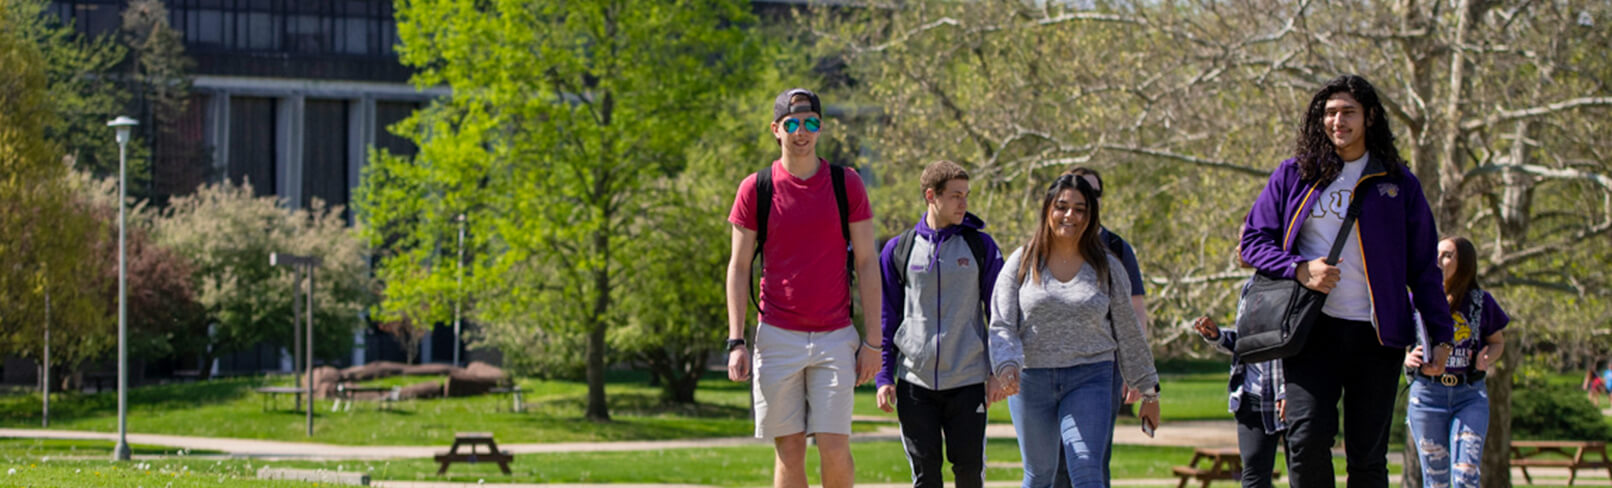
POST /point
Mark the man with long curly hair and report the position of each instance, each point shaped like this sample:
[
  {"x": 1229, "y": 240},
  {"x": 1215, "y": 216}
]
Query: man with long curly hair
[{"x": 1344, "y": 147}]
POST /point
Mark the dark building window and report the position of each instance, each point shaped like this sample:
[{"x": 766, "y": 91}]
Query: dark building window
[
  {"x": 386, "y": 114},
  {"x": 346, "y": 27},
  {"x": 92, "y": 17},
  {"x": 324, "y": 152},
  {"x": 251, "y": 144},
  {"x": 182, "y": 156}
]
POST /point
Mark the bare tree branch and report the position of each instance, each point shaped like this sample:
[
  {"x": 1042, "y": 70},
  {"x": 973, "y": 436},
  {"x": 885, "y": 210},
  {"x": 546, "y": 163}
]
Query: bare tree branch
[
  {"x": 1201, "y": 279},
  {"x": 1509, "y": 115},
  {"x": 1574, "y": 240},
  {"x": 1262, "y": 173},
  {"x": 1537, "y": 170},
  {"x": 1513, "y": 281}
]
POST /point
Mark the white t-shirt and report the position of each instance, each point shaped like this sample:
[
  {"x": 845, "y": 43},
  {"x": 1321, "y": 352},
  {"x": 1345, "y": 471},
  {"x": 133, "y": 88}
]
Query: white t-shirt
[{"x": 1351, "y": 299}]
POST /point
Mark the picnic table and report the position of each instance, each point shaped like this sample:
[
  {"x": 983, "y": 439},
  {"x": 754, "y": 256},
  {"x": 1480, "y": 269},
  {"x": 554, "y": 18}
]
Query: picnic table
[
  {"x": 470, "y": 440},
  {"x": 1223, "y": 464},
  {"x": 1526, "y": 453},
  {"x": 270, "y": 392}
]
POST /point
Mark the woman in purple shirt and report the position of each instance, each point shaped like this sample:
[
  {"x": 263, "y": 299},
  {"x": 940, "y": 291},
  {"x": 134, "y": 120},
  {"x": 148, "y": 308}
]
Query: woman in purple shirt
[{"x": 1448, "y": 413}]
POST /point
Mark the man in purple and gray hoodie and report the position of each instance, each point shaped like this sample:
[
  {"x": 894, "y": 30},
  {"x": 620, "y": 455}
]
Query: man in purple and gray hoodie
[
  {"x": 937, "y": 281},
  {"x": 1344, "y": 147}
]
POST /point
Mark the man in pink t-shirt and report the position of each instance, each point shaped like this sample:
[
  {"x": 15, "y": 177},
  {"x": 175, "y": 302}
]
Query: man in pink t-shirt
[{"x": 808, "y": 356}]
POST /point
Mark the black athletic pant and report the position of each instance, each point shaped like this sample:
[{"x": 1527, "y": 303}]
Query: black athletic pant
[
  {"x": 955, "y": 417},
  {"x": 1341, "y": 360}
]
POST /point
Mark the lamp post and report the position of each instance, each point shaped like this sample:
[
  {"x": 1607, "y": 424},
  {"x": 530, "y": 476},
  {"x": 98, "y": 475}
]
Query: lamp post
[
  {"x": 458, "y": 288},
  {"x": 123, "y": 124},
  {"x": 307, "y": 263},
  {"x": 44, "y": 419}
]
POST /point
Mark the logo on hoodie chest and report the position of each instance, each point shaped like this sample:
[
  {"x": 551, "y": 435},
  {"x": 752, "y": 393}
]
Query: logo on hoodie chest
[
  {"x": 962, "y": 262},
  {"x": 1389, "y": 190}
]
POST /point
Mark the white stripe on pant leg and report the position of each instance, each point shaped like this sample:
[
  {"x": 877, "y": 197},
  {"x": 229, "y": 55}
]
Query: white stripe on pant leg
[{"x": 912, "y": 463}]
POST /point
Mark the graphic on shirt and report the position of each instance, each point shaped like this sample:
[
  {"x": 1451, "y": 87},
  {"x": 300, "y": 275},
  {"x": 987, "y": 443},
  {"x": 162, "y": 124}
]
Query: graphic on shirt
[
  {"x": 1463, "y": 330},
  {"x": 1335, "y": 203},
  {"x": 1462, "y": 353},
  {"x": 962, "y": 262}
]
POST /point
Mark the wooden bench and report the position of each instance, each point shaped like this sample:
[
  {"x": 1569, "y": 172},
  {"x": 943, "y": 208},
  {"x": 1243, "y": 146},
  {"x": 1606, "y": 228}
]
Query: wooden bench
[
  {"x": 1525, "y": 454},
  {"x": 1224, "y": 464},
  {"x": 471, "y": 440}
]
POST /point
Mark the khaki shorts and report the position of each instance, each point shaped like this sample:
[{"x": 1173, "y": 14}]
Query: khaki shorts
[{"x": 804, "y": 381}]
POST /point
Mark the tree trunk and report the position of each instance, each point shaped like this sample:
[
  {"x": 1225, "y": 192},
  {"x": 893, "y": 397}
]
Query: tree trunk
[
  {"x": 598, "y": 410},
  {"x": 681, "y": 390},
  {"x": 1447, "y": 204},
  {"x": 1411, "y": 476},
  {"x": 1496, "y": 467}
]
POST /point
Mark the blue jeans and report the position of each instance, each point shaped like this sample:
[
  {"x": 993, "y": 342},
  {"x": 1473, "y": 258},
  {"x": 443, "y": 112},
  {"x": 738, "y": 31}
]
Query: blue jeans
[
  {"x": 1072, "y": 407},
  {"x": 1449, "y": 424}
]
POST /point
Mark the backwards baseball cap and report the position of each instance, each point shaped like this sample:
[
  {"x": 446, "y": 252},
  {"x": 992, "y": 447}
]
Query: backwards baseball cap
[{"x": 781, "y": 106}]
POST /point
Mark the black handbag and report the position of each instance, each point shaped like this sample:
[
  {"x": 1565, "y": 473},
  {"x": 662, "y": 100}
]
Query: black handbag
[{"x": 1278, "y": 313}]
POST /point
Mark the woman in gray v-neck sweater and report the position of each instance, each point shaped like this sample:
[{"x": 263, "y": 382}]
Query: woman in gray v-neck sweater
[{"x": 1055, "y": 342}]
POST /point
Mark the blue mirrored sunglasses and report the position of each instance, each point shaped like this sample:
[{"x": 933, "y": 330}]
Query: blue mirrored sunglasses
[{"x": 812, "y": 125}]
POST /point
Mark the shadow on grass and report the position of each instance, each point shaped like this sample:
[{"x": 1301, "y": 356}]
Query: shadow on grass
[
  {"x": 22, "y": 410},
  {"x": 639, "y": 404},
  {"x": 33, "y": 448}
]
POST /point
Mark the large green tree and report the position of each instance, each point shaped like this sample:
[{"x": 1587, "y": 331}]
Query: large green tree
[
  {"x": 676, "y": 306},
  {"x": 86, "y": 90},
  {"x": 563, "y": 114},
  {"x": 43, "y": 229}
]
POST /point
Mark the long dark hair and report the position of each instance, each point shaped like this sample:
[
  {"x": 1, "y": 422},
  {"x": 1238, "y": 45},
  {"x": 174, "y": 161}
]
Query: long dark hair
[
  {"x": 1318, "y": 157},
  {"x": 1089, "y": 245},
  {"x": 1460, "y": 285}
]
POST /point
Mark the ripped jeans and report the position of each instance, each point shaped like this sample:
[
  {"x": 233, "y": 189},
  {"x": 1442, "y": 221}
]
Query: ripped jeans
[{"x": 1448, "y": 424}]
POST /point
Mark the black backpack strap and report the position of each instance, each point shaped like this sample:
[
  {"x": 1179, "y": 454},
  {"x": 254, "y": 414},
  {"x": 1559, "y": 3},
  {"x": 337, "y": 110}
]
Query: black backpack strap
[
  {"x": 840, "y": 199},
  {"x": 763, "y": 210},
  {"x": 903, "y": 253}
]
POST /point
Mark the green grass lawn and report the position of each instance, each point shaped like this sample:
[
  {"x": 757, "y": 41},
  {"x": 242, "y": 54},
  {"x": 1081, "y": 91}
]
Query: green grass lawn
[
  {"x": 74, "y": 448},
  {"x": 229, "y": 408},
  {"x": 27, "y": 474},
  {"x": 747, "y": 466},
  {"x": 876, "y": 462}
]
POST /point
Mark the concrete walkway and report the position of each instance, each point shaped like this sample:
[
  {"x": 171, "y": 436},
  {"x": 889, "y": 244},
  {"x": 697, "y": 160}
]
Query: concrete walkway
[
  {"x": 988, "y": 484},
  {"x": 1193, "y": 434}
]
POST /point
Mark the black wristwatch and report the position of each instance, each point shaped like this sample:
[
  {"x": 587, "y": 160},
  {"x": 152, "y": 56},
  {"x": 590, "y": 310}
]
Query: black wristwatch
[{"x": 735, "y": 343}]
